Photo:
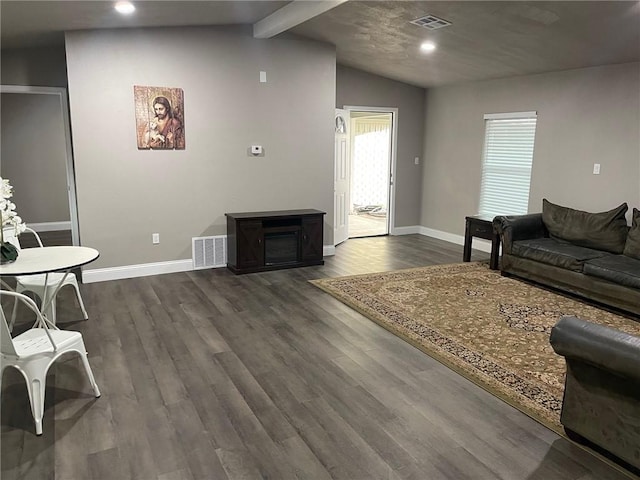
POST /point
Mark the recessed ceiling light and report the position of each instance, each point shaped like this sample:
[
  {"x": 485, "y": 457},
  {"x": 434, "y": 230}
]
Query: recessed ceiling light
[
  {"x": 428, "y": 47},
  {"x": 125, "y": 7}
]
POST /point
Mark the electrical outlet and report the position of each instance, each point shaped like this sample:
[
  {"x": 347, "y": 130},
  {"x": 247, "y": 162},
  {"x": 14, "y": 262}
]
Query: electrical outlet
[
  {"x": 596, "y": 169},
  {"x": 417, "y": 160},
  {"x": 155, "y": 238}
]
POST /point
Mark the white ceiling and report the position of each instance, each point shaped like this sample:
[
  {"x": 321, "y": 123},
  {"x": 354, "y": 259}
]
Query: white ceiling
[{"x": 486, "y": 39}]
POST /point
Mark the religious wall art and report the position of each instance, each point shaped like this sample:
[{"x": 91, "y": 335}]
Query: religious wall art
[{"x": 159, "y": 118}]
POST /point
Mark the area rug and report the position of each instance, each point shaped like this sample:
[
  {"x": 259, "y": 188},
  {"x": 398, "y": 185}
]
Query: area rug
[{"x": 491, "y": 329}]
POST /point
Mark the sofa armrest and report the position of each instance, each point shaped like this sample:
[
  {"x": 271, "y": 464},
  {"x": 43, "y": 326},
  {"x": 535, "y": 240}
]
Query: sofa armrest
[
  {"x": 600, "y": 346},
  {"x": 518, "y": 227}
]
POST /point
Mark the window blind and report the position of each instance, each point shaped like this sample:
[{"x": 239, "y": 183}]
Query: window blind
[{"x": 506, "y": 163}]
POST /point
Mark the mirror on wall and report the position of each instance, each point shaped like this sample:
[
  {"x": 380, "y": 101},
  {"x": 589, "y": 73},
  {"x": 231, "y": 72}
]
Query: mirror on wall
[{"x": 36, "y": 158}]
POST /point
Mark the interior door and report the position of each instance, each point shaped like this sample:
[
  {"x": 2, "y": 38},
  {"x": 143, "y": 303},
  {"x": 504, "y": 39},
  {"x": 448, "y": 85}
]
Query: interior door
[{"x": 342, "y": 179}]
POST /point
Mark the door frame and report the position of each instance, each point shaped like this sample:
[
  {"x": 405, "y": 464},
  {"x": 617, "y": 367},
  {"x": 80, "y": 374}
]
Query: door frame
[
  {"x": 61, "y": 93},
  {"x": 392, "y": 166}
]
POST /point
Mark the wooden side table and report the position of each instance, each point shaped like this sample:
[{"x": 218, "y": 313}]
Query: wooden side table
[{"x": 482, "y": 227}]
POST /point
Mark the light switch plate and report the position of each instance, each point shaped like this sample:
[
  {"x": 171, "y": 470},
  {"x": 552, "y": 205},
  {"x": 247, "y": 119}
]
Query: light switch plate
[{"x": 596, "y": 169}]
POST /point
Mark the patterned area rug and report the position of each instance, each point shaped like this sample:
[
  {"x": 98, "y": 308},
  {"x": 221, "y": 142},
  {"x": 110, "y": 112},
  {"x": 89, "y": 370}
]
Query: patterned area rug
[{"x": 491, "y": 329}]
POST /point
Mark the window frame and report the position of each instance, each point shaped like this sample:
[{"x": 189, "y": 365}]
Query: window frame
[{"x": 496, "y": 190}]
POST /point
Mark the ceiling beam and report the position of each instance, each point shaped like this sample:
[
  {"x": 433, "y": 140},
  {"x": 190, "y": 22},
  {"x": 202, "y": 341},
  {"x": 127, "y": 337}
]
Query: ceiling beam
[{"x": 290, "y": 15}]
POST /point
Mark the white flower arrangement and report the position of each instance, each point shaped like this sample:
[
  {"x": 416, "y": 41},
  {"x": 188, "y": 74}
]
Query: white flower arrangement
[{"x": 8, "y": 214}]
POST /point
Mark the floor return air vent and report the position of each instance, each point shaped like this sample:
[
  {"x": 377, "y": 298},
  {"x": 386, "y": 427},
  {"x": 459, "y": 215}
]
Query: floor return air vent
[{"x": 209, "y": 252}]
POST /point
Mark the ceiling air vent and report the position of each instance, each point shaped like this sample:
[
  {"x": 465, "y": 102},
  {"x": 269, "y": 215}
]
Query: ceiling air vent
[{"x": 431, "y": 22}]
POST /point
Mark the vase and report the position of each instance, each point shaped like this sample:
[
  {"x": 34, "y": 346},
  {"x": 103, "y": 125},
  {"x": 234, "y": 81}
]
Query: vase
[{"x": 8, "y": 253}]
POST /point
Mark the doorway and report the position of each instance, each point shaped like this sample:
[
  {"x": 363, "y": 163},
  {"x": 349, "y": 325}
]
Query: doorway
[
  {"x": 36, "y": 158},
  {"x": 370, "y": 181},
  {"x": 365, "y": 206}
]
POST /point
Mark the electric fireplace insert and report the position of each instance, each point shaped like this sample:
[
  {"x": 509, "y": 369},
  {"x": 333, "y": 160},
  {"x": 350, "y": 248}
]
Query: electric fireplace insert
[{"x": 259, "y": 241}]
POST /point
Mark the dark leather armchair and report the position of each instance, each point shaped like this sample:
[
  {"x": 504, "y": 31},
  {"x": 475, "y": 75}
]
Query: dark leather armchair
[{"x": 602, "y": 388}]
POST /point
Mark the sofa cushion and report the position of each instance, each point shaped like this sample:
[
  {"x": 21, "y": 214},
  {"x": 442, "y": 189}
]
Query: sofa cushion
[
  {"x": 602, "y": 231},
  {"x": 616, "y": 268},
  {"x": 632, "y": 247},
  {"x": 555, "y": 252}
]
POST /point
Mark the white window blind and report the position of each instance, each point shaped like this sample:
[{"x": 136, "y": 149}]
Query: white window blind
[{"x": 506, "y": 163}]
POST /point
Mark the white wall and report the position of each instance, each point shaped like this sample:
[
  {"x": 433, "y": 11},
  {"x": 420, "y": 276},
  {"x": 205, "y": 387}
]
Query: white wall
[
  {"x": 34, "y": 155},
  {"x": 126, "y": 194},
  {"x": 585, "y": 116},
  {"x": 44, "y": 67}
]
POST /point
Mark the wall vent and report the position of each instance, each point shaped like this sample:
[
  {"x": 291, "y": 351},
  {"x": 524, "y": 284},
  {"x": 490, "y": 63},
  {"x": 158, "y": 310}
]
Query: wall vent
[
  {"x": 431, "y": 22},
  {"x": 209, "y": 252}
]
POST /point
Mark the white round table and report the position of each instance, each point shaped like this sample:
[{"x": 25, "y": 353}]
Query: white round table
[
  {"x": 45, "y": 260},
  {"x": 35, "y": 260}
]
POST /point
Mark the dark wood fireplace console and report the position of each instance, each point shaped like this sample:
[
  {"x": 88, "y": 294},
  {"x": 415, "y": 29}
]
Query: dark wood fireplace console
[{"x": 260, "y": 241}]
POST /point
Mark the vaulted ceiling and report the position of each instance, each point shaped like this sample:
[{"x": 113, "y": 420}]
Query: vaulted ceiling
[{"x": 485, "y": 40}]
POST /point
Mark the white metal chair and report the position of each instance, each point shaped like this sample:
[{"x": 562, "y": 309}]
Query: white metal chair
[
  {"x": 44, "y": 286},
  {"x": 34, "y": 351}
]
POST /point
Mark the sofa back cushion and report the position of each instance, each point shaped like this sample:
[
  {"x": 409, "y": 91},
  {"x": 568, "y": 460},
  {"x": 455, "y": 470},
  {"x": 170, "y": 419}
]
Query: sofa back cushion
[
  {"x": 632, "y": 247},
  {"x": 602, "y": 231}
]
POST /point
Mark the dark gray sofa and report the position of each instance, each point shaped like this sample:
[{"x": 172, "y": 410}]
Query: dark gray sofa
[
  {"x": 602, "y": 387},
  {"x": 593, "y": 255}
]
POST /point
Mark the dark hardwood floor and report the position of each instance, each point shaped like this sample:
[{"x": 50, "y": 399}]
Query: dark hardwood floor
[{"x": 208, "y": 375}]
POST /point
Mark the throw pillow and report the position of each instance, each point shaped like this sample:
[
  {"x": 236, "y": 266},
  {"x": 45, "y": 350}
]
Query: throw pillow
[
  {"x": 632, "y": 247},
  {"x": 602, "y": 231}
]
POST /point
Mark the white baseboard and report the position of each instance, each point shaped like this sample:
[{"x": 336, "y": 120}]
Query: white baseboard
[
  {"x": 478, "y": 243},
  {"x": 176, "y": 266},
  {"x": 157, "y": 268},
  {"x": 50, "y": 226},
  {"x": 134, "y": 271},
  {"x": 405, "y": 230}
]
